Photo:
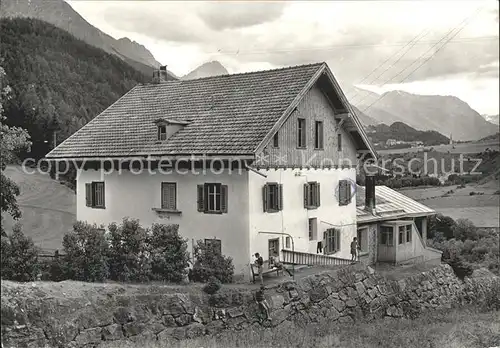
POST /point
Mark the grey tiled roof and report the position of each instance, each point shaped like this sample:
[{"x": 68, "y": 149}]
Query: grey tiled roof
[{"x": 229, "y": 114}]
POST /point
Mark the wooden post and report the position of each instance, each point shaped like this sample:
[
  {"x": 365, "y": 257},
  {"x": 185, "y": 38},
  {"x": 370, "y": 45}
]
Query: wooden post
[{"x": 424, "y": 230}]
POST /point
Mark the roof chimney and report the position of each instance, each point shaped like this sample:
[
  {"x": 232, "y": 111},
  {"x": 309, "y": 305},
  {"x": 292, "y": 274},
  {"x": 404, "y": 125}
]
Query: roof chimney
[
  {"x": 370, "y": 193},
  {"x": 161, "y": 75}
]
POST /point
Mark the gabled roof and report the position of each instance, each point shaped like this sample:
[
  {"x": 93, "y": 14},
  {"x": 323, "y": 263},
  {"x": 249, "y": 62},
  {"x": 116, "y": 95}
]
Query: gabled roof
[
  {"x": 227, "y": 114},
  {"x": 389, "y": 205}
]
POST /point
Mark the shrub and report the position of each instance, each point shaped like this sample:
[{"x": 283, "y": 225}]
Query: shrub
[
  {"x": 210, "y": 262},
  {"x": 169, "y": 256},
  {"x": 19, "y": 259},
  {"x": 465, "y": 229},
  {"x": 129, "y": 256},
  {"x": 443, "y": 224},
  {"x": 212, "y": 286},
  {"x": 461, "y": 268},
  {"x": 86, "y": 251},
  {"x": 56, "y": 270}
]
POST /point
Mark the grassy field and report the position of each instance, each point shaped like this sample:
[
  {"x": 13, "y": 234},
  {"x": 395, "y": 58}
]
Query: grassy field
[
  {"x": 49, "y": 208},
  {"x": 482, "y": 210},
  {"x": 458, "y": 328}
]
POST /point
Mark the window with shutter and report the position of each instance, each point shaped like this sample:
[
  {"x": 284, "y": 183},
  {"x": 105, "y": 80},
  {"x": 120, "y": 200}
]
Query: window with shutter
[
  {"x": 311, "y": 195},
  {"x": 272, "y": 197},
  {"x": 332, "y": 240},
  {"x": 345, "y": 196},
  {"x": 169, "y": 195},
  {"x": 212, "y": 198},
  {"x": 94, "y": 195}
]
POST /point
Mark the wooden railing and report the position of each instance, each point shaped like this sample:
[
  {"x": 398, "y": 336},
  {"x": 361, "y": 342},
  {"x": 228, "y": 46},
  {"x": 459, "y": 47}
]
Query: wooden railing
[{"x": 300, "y": 258}]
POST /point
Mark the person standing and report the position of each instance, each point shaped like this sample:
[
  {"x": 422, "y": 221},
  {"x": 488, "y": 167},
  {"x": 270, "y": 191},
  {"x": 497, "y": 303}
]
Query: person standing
[
  {"x": 261, "y": 301},
  {"x": 354, "y": 249},
  {"x": 259, "y": 262}
]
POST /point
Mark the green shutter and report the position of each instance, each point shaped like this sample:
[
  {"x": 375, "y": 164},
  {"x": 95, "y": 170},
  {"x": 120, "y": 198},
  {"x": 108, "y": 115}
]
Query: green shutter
[
  {"x": 318, "y": 196},
  {"x": 265, "y": 196},
  {"x": 325, "y": 242},
  {"x": 280, "y": 197},
  {"x": 88, "y": 195},
  {"x": 306, "y": 196},
  {"x": 223, "y": 198},
  {"x": 200, "y": 200}
]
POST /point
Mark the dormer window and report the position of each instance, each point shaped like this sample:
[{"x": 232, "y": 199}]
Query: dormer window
[
  {"x": 167, "y": 127},
  {"x": 162, "y": 132}
]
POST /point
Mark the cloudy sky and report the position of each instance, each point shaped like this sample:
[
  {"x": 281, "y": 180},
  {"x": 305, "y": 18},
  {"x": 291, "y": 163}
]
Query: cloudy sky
[{"x": 425, "y": 47}]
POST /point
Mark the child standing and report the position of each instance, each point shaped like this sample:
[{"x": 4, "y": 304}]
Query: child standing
[{"x": 261, "y": 301}]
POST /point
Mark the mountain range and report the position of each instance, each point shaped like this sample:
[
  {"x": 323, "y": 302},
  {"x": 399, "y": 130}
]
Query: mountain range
[
  {"x": 62, "y": 15},
  {"x": 445, "y": 114}
]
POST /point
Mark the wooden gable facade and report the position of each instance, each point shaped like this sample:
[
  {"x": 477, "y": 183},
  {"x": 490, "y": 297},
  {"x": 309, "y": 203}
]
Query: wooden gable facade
[{"x": 318, "y": 124}]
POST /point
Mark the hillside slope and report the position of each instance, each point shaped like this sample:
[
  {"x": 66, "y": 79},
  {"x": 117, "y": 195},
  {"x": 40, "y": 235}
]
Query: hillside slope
[
  {"x": 401, "y": 131},
  {"x": 62, "y": 15},
  {"x": 48, "y": 208},
  {"x": 58, "y": 82}
]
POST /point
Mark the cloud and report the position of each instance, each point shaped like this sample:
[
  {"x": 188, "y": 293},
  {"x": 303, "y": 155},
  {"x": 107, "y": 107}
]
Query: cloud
[
  {"x": 231, "y": 15},
  {"x": 168, "y": 21},
  {"x": 354, "y": 37}
]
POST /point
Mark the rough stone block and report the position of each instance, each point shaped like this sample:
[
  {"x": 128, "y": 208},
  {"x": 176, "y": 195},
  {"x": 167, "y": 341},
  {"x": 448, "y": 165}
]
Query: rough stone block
[
  {"x": 350, "y": 303},
  {"x": 133, "y": 328},
  {"x": 89, "y": 336},
  {"x": 112, "y": 332},
  {"x": 338, "y": 305},
  {"x": 346, "y": 320},
  {"x": 183, "y": 319},
  {"x": 360, "y": 288}
]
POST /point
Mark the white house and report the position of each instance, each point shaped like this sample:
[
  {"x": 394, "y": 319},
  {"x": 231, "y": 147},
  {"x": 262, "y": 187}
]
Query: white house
[
  {"x": 392, "y": 227},
  {"x": 260, "y": 161}
]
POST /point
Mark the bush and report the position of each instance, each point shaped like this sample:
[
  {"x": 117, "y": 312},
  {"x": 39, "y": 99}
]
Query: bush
[
  {"x": 465, "y": 229},
  {"x": 19, "y": 259},
  {"x": 442, "y": 224},
  {"x": 210, "y": 262},
  {"x": 129, "y": 256},
  {"x": 86, "y": 253},
  {"x": 169, "y": 256},
  {"x": 212, "y": 286}
]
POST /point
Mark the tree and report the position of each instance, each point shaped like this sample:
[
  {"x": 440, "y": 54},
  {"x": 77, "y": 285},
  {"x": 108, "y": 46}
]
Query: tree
[{"x": 13, "y": 140}]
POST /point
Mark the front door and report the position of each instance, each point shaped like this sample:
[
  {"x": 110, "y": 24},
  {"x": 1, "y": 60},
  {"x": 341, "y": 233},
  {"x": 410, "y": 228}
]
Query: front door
[{"x": 274, "y": 247}]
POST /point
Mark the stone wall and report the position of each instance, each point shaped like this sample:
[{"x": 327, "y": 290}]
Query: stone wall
[{"x": 41, "y": 314}]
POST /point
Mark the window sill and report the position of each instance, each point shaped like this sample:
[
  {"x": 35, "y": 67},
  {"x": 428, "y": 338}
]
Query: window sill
[
  {"x": 167, "y": 211},
  {"x": 312, "y": 207},
  {"x": 272, "y": 211},
  {"x": 213, "y": 212},
  {"x": 93, "y": 207}
]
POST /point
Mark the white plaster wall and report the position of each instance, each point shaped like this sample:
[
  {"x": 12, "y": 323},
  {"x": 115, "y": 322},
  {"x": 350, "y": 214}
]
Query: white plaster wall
[
  {"x": 293, "y": 219},
  {"x": 134, "y": 196}
]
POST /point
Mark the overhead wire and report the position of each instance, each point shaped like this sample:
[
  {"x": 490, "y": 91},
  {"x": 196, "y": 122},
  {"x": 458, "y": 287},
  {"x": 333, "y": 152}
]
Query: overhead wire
[{"x": 458, "y": 29}]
